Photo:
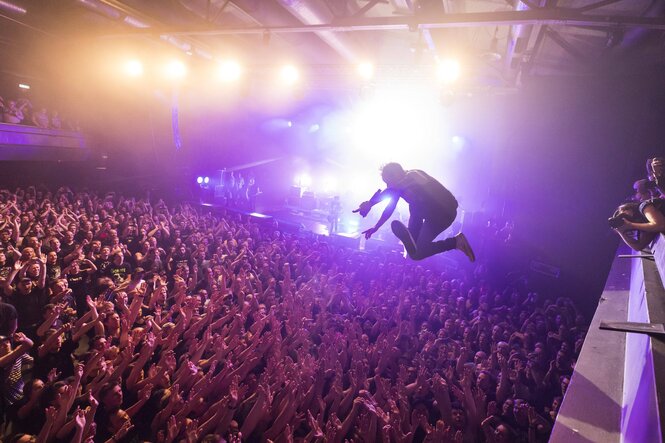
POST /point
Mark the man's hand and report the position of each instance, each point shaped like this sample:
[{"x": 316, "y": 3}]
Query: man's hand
[
  {"x": 368, "y": 233},
  {"x": 363, "y": 209}
]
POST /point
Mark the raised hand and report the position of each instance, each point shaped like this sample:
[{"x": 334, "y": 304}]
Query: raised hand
[
  {"x": 492, "y": 409},
  {"x": 79, "y": 419},
  {"x": 145, "y": 392},
  {"x": 53, "y": 375},
  {"x": 172, "y": 428},
  {"x": 314, "y": 424}
]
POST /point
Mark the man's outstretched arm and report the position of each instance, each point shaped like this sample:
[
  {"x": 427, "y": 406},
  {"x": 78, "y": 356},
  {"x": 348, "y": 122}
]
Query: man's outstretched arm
[
  {"x": 366, "y": 206},
  {"x": 387, "y": 212}
]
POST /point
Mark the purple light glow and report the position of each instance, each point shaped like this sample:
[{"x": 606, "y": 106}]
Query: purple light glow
[{"x": 12, "y": 7}]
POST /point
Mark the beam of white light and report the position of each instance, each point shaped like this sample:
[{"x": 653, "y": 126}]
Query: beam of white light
[
  {"x": 289, "y": 74},
  {"x": 133, "y": 68},
  {"x": 176, "y": 69},
  {"x": 366, "y": 70},
  {"x": 303, "y": 180},
  {"x": 448, "y": 70},
  {"x": 230, "y": 71}
]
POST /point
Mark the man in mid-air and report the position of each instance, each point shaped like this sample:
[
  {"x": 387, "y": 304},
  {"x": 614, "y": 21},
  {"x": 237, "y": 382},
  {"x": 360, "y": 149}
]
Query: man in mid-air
[{"x": 432, "y": 209}]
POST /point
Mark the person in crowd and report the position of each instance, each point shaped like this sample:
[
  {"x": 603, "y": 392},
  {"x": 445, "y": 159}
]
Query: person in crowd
[
  {"x": 248, "y": 333},
  {"x": 334, "y": 212},
  {"x": 40, "y": 118},
  {"x": 642, "y": 219},
  {"x": 56, "y": 122},
  {"x": 432, "y": 209},
  {"x": 13, "y": 112}
]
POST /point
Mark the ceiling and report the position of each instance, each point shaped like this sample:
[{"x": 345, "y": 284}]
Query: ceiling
[{"x": 501, "y": 43}]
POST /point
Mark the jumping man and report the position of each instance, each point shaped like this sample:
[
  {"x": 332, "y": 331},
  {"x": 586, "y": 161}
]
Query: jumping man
[{"x": 432, "y": 210}]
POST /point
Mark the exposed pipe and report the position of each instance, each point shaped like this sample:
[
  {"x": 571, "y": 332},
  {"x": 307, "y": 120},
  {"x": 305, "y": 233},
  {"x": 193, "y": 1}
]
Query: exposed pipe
[
  {"x": 101, "y": 8},
  {"x": 461, "y": 20}
]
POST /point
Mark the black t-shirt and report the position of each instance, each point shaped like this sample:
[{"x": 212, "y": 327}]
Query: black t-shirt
[
  {"x": 658, "y": 203},
  {"x": 78, "y": 283},
  {"x": 119, "y": 273},
  {"x": 132, "y": 243},
  {"x": 5, "y": 270},
  {"x": 4, "y": 246},
  {"x": 103, "y": 266},
  {"x": 53, "y": 271},
  {"x": 29, "y": 307},
  {"x": 66, "y": 249},
  {"x": 61, "y": 360},
  {"x": 426, "y": 197}
]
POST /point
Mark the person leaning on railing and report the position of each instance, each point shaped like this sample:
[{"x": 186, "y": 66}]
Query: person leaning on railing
[{"x": 642, "y": 221}]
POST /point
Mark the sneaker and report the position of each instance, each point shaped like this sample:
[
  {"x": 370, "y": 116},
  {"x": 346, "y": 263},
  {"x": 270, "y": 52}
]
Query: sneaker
[
  {"x": 402, "y": 232},
  {"x": 463, "y": 245}
]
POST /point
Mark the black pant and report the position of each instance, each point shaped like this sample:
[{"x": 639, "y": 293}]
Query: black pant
[{"x": 424, "y": 229}]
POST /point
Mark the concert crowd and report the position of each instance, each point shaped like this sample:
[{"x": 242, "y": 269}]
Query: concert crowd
[{"x": 127, "y": 319}]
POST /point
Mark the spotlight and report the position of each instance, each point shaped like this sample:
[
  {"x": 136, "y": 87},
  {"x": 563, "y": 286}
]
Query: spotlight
[
  {"x": 448, "y": 70},
  {"x": 289, "y": 124},
  {"x": 23, "y": 86},
  {"x": 133, "y": 68},
  {"x": 206, "y": 180},
  {"x": 303, "y": 180},
  {"x": 230, "y": 71},
  {"x": 176, "y": 69},
  {"x": 366, "y": 70},
  {"x": 457, "y": 139},
  {"x": 314, "y": 128},
  {"x": 199, "y": 180},
  {"x": 289, "y": 74}
]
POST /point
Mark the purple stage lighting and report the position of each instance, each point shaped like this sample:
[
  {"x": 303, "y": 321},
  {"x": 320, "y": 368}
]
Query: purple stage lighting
[
  {"x": 199, "y": 180},
  {"x": 12, "y": 7}
]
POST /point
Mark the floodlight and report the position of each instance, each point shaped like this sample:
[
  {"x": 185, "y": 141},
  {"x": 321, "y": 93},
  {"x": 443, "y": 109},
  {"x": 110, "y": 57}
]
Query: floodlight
[
  {"x": 230, "y": 71},
  {"x": 366, "y": 70},
  {"x": 448, "y": 70},
  {"x": 289, "y": 74}
]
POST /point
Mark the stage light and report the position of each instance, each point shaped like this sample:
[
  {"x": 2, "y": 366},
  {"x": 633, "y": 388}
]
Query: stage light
[
  {"x": 230, "y": 71},
  {"x": 23, "y": 86},
  {"x": 206, "y": 180},
  {"x": 289, "y": 74},
  {"x": 133, "y": 68},
  {"x": 457, "y": 139},
  {"x": 199, "y": 180},
  {"x": 303, "y": 180},
  {"x": 366, "y": 70},
  {"x": 448, "y": 70},
  {"x": 289, "y": 124},
  {"x": 315, "y": 127},
  {"x": 176, "y": 69}
]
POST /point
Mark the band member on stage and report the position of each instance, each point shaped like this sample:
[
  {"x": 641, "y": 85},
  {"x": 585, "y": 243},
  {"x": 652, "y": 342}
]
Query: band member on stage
[
  {"x": 432, "y": 209},
  {"x": 333, "y": 214}
]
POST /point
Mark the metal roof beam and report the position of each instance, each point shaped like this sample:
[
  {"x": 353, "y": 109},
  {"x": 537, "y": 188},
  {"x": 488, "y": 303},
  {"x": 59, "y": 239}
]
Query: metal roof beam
[{"x": 541, "y": 16}]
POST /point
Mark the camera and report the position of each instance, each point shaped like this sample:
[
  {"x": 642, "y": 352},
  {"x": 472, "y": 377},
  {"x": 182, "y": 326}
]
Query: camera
[{"x": 616, "y": 221}]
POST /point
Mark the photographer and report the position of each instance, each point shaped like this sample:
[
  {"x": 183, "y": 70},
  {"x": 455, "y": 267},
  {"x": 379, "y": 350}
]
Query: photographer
[{"x": 647, "y": 219}]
